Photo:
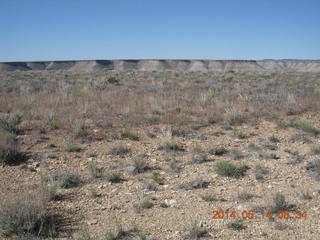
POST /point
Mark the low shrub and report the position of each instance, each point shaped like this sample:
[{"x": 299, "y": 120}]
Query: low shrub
[
  {"x": 66, "y": 180},
  {"x": 25, "y": 215},
  {"x": 229, "y": 169},
  {"x": 113, "y": 176}
]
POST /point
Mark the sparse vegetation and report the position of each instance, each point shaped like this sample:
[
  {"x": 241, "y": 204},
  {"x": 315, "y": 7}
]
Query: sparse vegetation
[
  {"x": 178, "y": 131},
  {"x": 208, "y": 197},
  {"x": 129, "y": 135},
  {"x": 142, "y": 203},
  {"x": 260, "y": 172},
  {"x": 193, "y": 230},
  {"x": 72, "y": 147},
  {"x": 274, "y": 139},
  {"x": 314, "y": 168},
  {"x": 280, "y": 204},
  {"x": 175, "y": 119},
  {"x": 10, "y": 154},
  {"x": 157, "y": 178},
  {"x": 244, "y": 196},
  {"x": 305, "y": 126},
  {"x": 131, "y": 233},
  {"x": 229, "y": 169},
  {"x": 236, "y": 225},
  {"x": 25, "y": 214},
  {"x": 10, "y": 122},
  {"x": 315, "y": 150},
  {"x": 65, "y": 179},
  {"x": 218, "y": 151},
  {"x": 148, "y": 186},
  {"x": 198, "y": 158},
  {"x": 80, "y": 129},
  {"x": 113, "y": 176},
  {"x": 195, "y": 183},
  {"x": 173, "y": 165},
  {"x": 138, "y": 164},
  {"x": 119, "y": 150},
  {"x": 170, "y": 146},
  {"x": 95, "y": 171}
]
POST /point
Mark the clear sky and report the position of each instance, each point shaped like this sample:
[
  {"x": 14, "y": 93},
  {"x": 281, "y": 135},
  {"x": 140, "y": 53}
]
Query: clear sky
[{"x": 178, "y": 29}]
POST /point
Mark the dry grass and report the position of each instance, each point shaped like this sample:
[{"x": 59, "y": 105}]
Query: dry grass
[{"x": 176, "y": 99}]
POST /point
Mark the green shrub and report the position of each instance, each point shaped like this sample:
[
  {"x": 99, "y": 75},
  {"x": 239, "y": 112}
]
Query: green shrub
[
  {"x": 280, "y": 204},
  {"x": 314, "y": 167},
  {"x": 66, "y": 180},
  {"x": 236, "y": 225},
  {"x": 173, "y": 165},
  {"x": 244, "y": 196},
  {"x": 113, "y": 176},
  {"x": 130, "y": 135},
  {"x": 305, "y": 126},
  {"x": 53, "y": 123},
  {"x": 229, "y": 169},
  {"x": 178, "y": 131},
  {"x": 207, "y": 197},
  {"x": 157, "y": 178}
]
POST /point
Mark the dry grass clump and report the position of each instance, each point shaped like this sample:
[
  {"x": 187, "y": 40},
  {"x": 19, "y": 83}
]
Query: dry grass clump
[
  {"x": 119, "y": 150},
  {"x": 120, "y": 233},
  {"x": 194, "y": 230},
  {"x": 129, "y": 135},
  {"x": 170, "y": 146},
  {"x": 10, "y": 122},
  {"x": 314, "y": 168},
  {"x": 218, "y": 151},
  {"x": 195, "y": 183},
  {"x": 315, "y": 149},
  {"x": 143, "y": 202},
  {"x": 305, "y": 126},
  {"x": 260, "y": 172},
  {"x": 25, "y": 214},
  {"x": 138, "y": 164},
  {"x": 65, "y": 179},
  {"x": 95, "y": 170},
  {"x": 9, "y": 150}
]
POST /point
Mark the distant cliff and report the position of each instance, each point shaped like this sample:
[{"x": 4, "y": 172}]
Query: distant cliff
[{"x": 167, "y": 65}]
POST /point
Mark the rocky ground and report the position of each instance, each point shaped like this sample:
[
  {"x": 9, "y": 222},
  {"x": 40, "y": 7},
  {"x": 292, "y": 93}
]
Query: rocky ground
[{"x": 163, "y": 177}]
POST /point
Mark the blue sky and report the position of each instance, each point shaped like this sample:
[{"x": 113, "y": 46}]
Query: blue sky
[{"x": 33, "y": 30}]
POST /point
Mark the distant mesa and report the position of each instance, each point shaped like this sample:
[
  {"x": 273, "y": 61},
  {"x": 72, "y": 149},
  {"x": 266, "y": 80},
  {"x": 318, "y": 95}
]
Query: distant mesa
[{"x": 167, "y": 65}]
